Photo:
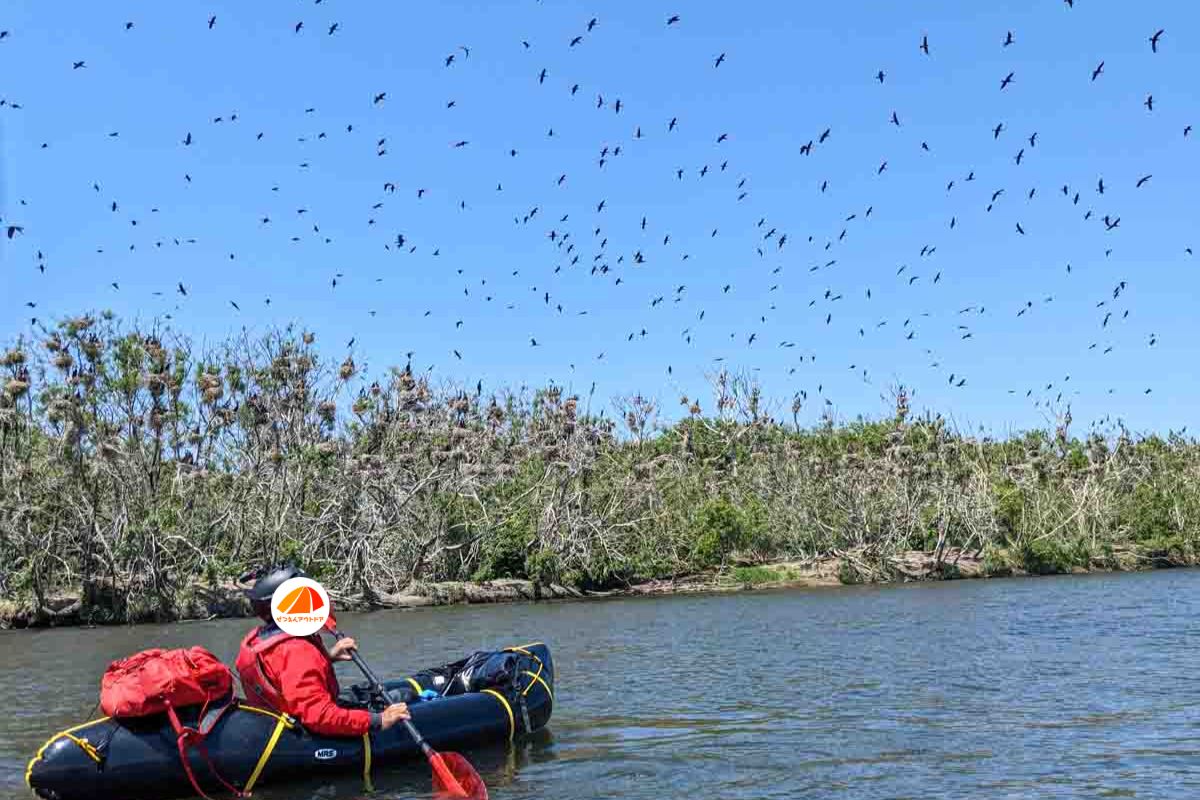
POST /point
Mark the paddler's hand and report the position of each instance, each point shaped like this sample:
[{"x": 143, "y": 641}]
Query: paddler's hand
[
  {"x": 393, "y": 714},
  {"x": 341, "y": 649}
]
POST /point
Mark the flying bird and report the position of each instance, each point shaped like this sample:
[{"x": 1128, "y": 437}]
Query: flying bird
[{"x": 1154, "y": 39}]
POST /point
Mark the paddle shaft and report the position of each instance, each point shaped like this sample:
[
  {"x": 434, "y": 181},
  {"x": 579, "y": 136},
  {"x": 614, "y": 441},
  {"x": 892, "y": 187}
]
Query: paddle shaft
[{"x": 378, "y": 690}]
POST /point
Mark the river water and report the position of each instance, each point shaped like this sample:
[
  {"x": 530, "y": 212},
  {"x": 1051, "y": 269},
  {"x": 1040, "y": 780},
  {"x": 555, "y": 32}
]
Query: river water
[{"x": 1057, "y": 687}]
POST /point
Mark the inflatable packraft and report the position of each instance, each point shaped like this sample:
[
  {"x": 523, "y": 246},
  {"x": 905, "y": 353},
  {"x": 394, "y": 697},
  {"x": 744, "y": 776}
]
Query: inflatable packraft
[{"x": 490, "y": 697}]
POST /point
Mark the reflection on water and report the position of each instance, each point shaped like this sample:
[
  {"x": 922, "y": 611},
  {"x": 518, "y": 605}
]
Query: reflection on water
[{"x": 1064, "y": 687}]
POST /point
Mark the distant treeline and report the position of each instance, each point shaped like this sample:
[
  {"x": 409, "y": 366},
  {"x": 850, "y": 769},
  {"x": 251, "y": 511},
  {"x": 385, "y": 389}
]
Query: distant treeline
[{"x": 134, "y": 469}]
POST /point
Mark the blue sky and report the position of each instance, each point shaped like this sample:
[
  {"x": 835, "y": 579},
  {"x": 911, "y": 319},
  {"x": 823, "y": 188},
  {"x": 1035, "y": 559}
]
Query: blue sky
[{"x": 790, "y": 72}]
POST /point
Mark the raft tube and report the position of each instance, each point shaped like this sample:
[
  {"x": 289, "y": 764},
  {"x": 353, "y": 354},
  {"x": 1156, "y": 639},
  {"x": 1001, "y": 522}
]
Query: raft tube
[{"x": 250, "y": 746}]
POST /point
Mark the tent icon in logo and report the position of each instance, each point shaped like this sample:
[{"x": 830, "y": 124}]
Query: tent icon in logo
[{"x": 301, "y": 600}]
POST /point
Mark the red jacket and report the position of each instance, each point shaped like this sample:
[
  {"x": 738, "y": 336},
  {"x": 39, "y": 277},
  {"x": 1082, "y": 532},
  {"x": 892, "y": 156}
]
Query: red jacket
[{"x": 294, "y": 675}]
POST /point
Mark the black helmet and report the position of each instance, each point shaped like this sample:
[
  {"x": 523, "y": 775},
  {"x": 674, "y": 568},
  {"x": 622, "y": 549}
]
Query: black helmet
[{"x": 268, "y": 580}]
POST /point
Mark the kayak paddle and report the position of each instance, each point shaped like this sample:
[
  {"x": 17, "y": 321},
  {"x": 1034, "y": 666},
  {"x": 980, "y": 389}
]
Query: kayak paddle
[{"x": 453, "y": 775}]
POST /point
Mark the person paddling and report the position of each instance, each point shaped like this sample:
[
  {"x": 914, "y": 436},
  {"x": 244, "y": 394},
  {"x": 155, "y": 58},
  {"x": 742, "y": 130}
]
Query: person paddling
[{"x": 294, "y": 674}]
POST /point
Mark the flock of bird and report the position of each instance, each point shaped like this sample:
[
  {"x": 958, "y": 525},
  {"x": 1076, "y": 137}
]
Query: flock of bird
[{"x": 609, "y": 254}]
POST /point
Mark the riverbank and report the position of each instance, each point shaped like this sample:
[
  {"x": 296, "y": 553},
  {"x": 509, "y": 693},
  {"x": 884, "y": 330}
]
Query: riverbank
[
  {"x": 139, "y": 475},
  {"x": 201, "y": 602}
]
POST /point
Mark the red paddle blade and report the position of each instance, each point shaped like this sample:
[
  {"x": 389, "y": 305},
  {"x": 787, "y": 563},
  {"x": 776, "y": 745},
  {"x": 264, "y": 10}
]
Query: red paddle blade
[{"x": 453, "y": 776}]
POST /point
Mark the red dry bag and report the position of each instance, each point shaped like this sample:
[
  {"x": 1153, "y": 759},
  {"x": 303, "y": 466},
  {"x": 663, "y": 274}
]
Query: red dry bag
[
  {"x": 156, "y": 681},
  {"x": 152, "y": 681}
]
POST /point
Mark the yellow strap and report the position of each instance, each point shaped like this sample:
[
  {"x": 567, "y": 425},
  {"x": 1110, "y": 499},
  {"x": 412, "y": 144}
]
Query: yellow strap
[
  {"x": 524, "y": 651},
  {"x": 83, "y": 743},
  {"x": 541, "y": 666},
  {"x": 287, "y": 721},
  {"x": 415, "y": 685},
  {"x": 86, "y": 746},
  {"x": 512, "y": 721},
  {"x": 280, "y": 724},
  {"x": 370, "y": 787},
  {"x": 537, "y": 679}
]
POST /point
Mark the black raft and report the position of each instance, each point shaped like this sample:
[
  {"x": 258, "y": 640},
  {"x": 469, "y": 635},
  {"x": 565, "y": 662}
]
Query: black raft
[{"x": 489, "y": 697}]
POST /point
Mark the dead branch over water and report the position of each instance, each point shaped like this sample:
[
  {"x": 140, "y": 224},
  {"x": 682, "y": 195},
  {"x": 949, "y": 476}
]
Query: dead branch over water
[{"x": 134, "y": 469}]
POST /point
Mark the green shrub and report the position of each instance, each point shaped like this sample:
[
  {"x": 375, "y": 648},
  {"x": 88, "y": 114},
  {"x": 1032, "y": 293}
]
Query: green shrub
[
  {"x": 848, "y": 573},
  {"x": 1010, "y": 507},
  {"x": 1146, "y": 513},
  {"x": 997, "y": 563},
  {"x": 503, "y": 553},
  {"x": 1053, "y": 557},
  {"x": 541, "y": 566},
  {"x": 754, "y": 576},
  {"x": 720, "y": 528},
  {"x": 1170, "y": 550}
]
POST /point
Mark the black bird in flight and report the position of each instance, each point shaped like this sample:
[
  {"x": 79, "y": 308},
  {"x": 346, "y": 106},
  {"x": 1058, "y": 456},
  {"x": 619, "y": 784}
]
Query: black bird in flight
[
  {"x": 1154, "y": 39},
  {"x": 880, "y": 76},
  {"x": 212, "y": 21},
  {"x": 1149, "y": 102},
  {"x": 1099, "y": 69},
  {"x": 673, "y": 19},
  {"x": 1007, "y": 80},
  {"x": 1142, "y": 180},
  {"x": 719, "y": 61},
  {"x": 591, "y": 24},
  {"x": 1008, "y": 39},
  {"x": 925, "y": 44},
  {"x": 332, "y": 29}
]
